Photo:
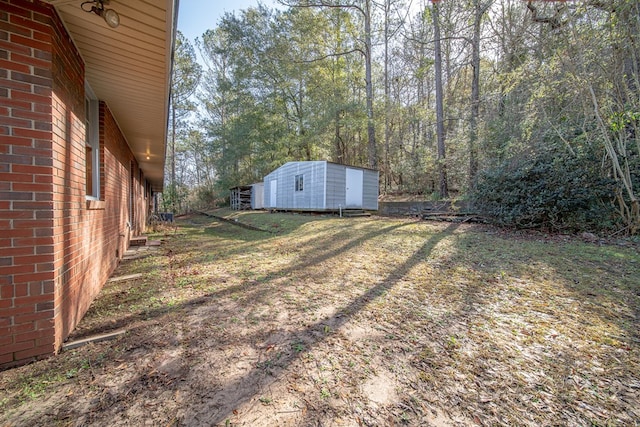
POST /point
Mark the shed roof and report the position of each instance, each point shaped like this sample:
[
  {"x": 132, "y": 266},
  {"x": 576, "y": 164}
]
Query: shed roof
[{"x": 328, "y": 162}]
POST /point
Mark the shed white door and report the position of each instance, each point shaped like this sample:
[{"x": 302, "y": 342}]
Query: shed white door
[
  {"x": 353, "y": 197},
  {"x": 273, "y": 193}
]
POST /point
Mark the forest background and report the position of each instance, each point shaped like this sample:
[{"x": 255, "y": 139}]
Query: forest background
[{"x": 527, "y": 109}]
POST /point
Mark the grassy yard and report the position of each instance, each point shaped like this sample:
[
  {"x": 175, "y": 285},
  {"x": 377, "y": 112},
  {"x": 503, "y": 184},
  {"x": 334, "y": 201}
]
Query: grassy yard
[{"x": 318, "y": 320}]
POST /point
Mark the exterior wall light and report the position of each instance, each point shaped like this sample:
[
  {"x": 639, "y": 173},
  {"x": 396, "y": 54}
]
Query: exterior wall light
[{"x": 110, "y": 16}]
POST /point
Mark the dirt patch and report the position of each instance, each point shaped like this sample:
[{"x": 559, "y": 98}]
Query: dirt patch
[
  {"x": 381, "y": 388},
  {"x": 359, "y": 322}
]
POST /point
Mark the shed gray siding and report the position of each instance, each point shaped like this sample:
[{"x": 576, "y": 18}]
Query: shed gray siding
[
  {"x": 324, "y": 187},
  {"x": 312, "y": 195},
  {"x": 370, "y": 189},
  {"x": 257, "y": 195},
  {"x": 336, "y": 186}
]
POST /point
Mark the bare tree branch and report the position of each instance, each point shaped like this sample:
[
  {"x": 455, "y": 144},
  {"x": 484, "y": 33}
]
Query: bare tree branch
[
  {"x": 330, "y": 55},
  {"x": 554, "y": 20},
  {"x": 322, "y": 3}
]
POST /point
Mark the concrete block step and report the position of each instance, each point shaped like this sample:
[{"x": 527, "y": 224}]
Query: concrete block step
[{"x": 138, "y": 241}]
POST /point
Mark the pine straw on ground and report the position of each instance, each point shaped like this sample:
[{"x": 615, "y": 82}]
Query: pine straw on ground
[{"x": 351, "y": 322}]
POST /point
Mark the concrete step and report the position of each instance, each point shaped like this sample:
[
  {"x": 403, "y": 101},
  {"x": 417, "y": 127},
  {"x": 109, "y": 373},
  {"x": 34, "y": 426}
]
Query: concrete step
[{"x": 138, "y": 241}]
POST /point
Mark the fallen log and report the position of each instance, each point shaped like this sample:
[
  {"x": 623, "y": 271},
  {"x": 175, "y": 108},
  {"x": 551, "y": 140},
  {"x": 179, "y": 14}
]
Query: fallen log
[
  {"x": 234, "y": 222},
  {"x": 454, "y": 217}
]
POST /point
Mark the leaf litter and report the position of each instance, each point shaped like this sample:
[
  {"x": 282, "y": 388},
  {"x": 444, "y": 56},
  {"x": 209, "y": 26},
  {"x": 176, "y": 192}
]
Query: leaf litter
[{"x": 350, "y": 322}]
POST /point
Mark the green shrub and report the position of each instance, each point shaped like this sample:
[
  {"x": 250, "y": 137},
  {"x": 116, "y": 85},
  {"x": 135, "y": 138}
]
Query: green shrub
[{"x": 548, "y": 190}]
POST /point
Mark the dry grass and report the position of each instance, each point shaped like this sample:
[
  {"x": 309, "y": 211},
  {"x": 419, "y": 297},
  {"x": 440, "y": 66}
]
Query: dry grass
[{"x": 328, "y": 321}]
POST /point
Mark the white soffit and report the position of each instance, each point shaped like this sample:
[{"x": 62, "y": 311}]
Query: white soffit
[{"x": 129, "y": 67}]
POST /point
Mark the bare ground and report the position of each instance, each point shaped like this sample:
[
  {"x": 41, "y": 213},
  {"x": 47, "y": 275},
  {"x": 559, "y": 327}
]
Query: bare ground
[{"x": 350, "y": 322}]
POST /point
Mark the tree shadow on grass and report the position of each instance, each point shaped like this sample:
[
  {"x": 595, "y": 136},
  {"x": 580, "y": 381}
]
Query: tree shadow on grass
[
  {"x": 214, "y": 403},
  {"x": 214, "y": 411},
  {"x": 208, "y": 400},
  {"x": 321, "y": 251},
  {"x": 257, "y": 225},
  {"x": 209, "y": 407}
]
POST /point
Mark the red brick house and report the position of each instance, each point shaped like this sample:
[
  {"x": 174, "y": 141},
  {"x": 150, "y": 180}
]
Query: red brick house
[{"x": 83, "y": 121}]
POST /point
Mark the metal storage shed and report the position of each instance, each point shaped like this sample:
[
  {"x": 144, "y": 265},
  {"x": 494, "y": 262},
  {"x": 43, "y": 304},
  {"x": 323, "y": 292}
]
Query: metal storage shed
[
  {"x": 321, "y": 186},
  {"x": 257, "y": 195}
]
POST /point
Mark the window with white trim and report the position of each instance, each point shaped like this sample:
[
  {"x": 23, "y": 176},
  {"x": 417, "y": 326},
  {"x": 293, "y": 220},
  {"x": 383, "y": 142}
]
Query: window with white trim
[{"x": 92, "y": 145}]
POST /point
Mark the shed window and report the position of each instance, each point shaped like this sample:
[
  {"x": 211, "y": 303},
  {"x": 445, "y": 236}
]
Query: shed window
[{"x": 299, "y": 182}]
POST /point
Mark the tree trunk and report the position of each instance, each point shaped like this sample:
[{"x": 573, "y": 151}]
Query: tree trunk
[
  {"x": 475, "y": 96},
  {"x": 337, "y": 138},
  {"x": 173, "y": 146},
  {"x": 441, "y": 159},
  {"x": 371, "y": 136},
  {"x": 387, "y": 132},
  {"x": 479, "y": 11}
]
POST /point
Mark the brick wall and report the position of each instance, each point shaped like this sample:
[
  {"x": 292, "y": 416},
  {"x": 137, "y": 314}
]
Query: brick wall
[
  {"x": 68, "y": 118},
  {"x": 101, "y": 230},
  {"x": 26, "y": 187},
  {"x": 57, "y": 248}
]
